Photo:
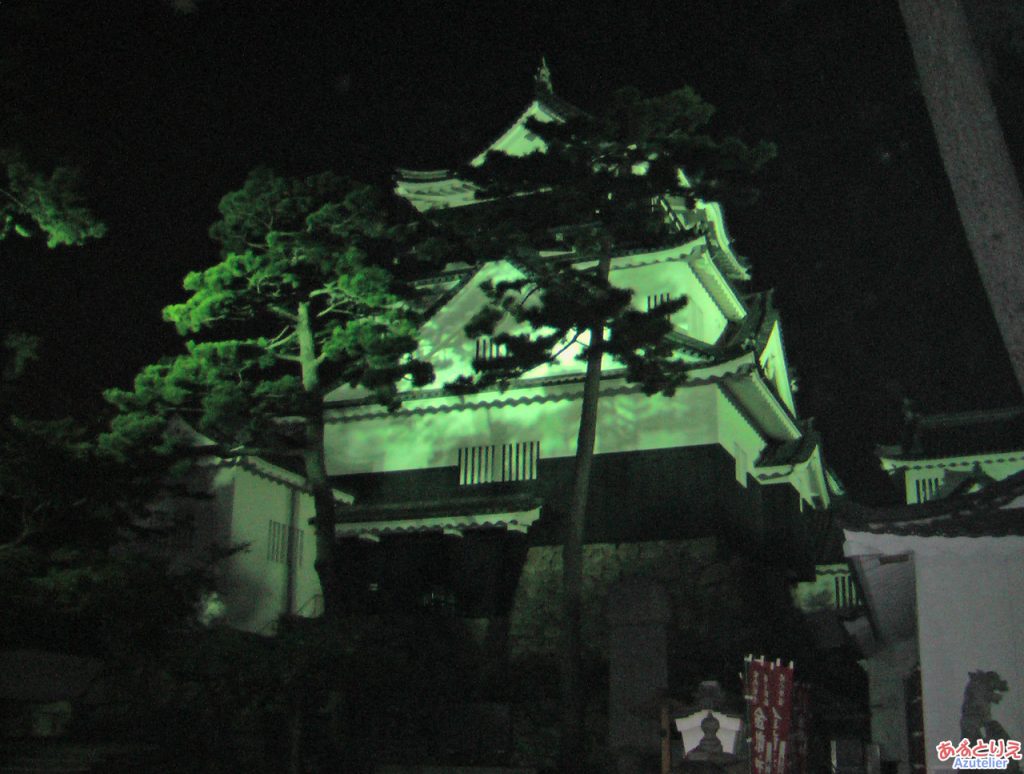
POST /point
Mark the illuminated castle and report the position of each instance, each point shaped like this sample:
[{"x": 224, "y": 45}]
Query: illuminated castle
[{"x": 457, "y": 501}]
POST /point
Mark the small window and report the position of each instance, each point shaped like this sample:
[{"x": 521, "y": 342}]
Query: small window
[
  {"x": 658, "y": 299},
  {"x": 487, "y": 350},
  {"x": 494, "y": 463},
  {"x": 277, "y": 543},
  {"x": 927, "y": 488},
  {"x": 847, "y": 595}
]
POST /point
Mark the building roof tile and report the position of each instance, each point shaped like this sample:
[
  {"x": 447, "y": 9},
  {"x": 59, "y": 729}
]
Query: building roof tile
[{"x": 996, "y": 511}]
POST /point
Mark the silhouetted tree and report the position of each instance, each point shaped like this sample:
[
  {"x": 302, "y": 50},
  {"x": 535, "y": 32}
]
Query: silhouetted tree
[
  {"x": 304, "y": 297},
  {"x": 599, "y": 186}
]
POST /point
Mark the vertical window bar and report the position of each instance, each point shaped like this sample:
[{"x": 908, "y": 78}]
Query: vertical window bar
[{"x": 498, "y": 462}]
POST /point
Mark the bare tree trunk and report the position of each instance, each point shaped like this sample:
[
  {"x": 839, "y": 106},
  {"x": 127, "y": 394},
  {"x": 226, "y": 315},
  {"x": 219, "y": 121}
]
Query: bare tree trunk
[
  {"x": 295, "y": 735},
  {"x": 974, "y": 153},
  {"x": 573, "y": 741},
  {"x": 315, "y": 461}
]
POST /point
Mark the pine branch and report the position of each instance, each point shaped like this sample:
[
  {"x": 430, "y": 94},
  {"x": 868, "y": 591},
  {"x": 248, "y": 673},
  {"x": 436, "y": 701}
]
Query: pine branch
[{"x": 280, "y": 311}]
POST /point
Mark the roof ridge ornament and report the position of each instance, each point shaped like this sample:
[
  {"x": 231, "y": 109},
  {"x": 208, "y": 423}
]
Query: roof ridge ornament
[{"x": 542, "y": 79}]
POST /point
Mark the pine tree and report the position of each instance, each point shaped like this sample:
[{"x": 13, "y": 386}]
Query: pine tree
[
  {"x": 601, "y": 185},
  {"x": 51, "y": 204},
  {"x": 306, "y": 296}
]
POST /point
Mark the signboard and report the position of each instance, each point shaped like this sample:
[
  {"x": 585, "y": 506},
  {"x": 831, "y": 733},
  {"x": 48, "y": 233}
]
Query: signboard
[{"x": 768, "y": 688}]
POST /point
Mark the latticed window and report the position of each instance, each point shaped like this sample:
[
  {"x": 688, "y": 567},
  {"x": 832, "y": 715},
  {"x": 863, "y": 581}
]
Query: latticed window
[
  {"x": 277, "y": 543},
  {"x": 658, "y": 299},
  {"x": 927, "y": 488},
  {"x": 847, "y": 595},
  {"x": 496, "y": 463},
  {"x": 487, "y": 349}
]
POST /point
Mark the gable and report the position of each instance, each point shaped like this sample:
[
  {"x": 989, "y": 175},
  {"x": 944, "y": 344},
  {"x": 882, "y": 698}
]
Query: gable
[
  {"x": 776, "y": 370},
  {"x": 654, "y": 277},
  {"x": 517, "y": 140},
  {"x": 440, "y": 189}
]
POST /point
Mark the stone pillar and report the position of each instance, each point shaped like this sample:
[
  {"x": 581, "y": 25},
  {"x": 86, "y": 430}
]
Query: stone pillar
[{"x": 638, "y": 612}]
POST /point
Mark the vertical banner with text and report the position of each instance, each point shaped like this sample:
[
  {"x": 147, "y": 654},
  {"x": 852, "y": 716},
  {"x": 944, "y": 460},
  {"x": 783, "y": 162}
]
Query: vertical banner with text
[{"x": 768, "y": 689}]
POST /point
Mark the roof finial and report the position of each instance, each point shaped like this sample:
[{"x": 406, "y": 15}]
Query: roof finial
[{"x": 542, "y": 79}]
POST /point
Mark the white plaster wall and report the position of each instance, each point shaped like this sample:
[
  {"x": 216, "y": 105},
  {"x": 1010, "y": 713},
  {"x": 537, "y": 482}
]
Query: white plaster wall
[
  {"x": 254, "y": 587},
  {"x": 970, "y": 602},
  {"x": 444, "y": 345},
  {"x": 737, "y": 436},
  {"x": 1003, "y": 468},
  {"x": 700, "y": 318},
  {"x": 432, "y": 438},
  {"x": 773, "y": 361}
]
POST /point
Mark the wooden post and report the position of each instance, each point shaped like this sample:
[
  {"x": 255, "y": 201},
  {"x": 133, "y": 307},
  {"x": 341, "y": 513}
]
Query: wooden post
[{"x": 666, "y": 739}]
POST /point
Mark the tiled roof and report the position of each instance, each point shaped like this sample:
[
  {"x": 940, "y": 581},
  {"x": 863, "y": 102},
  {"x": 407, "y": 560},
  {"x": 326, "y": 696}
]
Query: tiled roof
[
  {"x": 748, "y": 335},
  {"x": 454, "y": 506},
  {"x": 960, "y": 434},
  {"x": 996, "y": 511},
  {"x": 790, "y": 452}
]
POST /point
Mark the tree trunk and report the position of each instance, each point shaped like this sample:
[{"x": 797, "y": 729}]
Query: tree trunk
[
  {"x": 974, "y": 153},
  {"x": 295, "y": 735},
  {"x": 315, "y": 461},
  {"x": 573, "y": 741}
]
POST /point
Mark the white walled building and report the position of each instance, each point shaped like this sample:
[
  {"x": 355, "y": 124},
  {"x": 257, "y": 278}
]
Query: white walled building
[
  {"x": 944, "y": 452},
  {"x": 944, "y": 584},
  {"x": 942, "y": 580},
  {"x": 465, "y": 487},
  {"x": 456, "y": 502},
  {"x": 726, "y": 455}
]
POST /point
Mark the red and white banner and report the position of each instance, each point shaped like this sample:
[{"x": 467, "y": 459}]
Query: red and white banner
[{"x": 769, "y": 695}]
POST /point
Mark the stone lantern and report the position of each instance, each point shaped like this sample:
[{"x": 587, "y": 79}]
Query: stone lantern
[{"x": 710, "y": 735}]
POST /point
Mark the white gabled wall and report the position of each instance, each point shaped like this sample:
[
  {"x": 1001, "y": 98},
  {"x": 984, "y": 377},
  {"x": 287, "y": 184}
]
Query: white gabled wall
[
  {"x": 773, "y": 363},
  {"x": 255, "y": 583},
  {"x": 700, "y": 319},
  {"x": 444, "y": 344},
  {"x": 517, "y": 139},
  {"x": 970, "y": 594}
]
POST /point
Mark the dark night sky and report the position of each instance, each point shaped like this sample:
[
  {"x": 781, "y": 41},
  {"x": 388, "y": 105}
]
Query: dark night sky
[{"x": 167, "y": 111}]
